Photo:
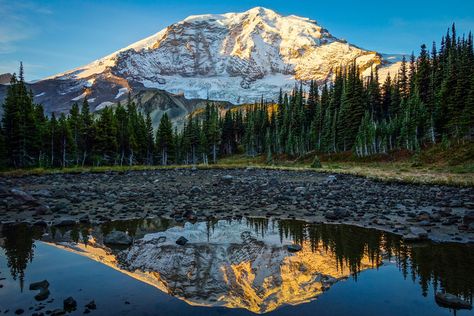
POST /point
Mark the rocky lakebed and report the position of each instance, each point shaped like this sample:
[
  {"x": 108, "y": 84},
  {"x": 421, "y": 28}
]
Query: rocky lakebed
[{"x": 416, "y": 212}]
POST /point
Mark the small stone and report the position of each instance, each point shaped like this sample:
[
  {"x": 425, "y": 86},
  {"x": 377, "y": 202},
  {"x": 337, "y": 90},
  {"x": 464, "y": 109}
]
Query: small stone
[
  {"x": 330, "y": 179},
  {"x": 19, "y": 311},
  {"x": 181, "y": 241},
  {"x": 468, "y": 217},
  {"x": 227, "y": 179},
  {"x": 294, "y": 248},
  {"x": 195, "y": 190},
  {"x": 300, "y": 190}
]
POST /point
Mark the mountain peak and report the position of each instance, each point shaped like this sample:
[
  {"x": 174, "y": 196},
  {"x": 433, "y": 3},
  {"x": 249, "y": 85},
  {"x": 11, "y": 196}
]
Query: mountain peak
[
  {"x": 262, "y": 11},
  {"x": 230, "y": 57}
]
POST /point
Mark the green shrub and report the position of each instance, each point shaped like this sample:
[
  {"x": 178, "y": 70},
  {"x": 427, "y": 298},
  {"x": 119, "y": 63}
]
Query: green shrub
[{"x": 316, "y": 162}]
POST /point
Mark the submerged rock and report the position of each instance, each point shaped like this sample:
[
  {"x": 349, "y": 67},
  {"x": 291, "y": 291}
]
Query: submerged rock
[
  {"x": 58, "y": 312},
  {"x": 43, "y": 287},
  {"x": 91, "y": 305},
  {"x": 451, "y": 301},
  {"x": 118, "y": 238},
  {"x": 69, "y": 304}
]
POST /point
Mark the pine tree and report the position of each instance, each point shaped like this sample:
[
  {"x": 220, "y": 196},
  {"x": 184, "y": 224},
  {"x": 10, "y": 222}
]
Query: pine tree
[
  {"x": 74, "y": 125},
  {"x": 65, "y": 140},
  {"x": 164, "y": 138},
  {"x": 150, "y": 142},
  {"x": 86, "y": 133}
]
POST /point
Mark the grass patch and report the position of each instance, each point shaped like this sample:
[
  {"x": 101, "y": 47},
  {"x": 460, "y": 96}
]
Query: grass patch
[{"x": 434, "y": 165}]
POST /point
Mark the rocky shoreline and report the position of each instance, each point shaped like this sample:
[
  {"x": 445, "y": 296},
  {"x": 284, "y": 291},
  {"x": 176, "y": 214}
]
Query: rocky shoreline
[{"x": 417, "y": 212}]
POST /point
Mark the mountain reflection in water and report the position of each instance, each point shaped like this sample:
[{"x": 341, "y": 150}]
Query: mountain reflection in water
[{"x": 245, "y": 263}]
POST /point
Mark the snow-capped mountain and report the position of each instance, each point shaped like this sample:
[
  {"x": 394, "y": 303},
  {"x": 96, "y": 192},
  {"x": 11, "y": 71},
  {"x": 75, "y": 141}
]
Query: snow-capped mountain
[{"x": 235, "y": 57}]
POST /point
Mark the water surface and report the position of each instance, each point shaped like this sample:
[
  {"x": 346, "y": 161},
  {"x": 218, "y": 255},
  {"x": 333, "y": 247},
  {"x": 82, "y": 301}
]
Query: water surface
[{"x": 231, "y": 267}]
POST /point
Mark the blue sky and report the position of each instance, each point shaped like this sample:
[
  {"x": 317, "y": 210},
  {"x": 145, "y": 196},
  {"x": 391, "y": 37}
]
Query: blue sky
[{"x": 53, "y": 36}]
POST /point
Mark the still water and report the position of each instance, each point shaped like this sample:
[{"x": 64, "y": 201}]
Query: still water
[{"x": 230, "y": 267}]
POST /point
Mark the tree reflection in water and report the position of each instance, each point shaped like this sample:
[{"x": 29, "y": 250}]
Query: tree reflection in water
[
  {"x": 448, "y": 267},
  {"x": 19, "y": 249}
]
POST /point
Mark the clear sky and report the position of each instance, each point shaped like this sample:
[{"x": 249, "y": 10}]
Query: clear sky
[{"x": 52, "y": 36}]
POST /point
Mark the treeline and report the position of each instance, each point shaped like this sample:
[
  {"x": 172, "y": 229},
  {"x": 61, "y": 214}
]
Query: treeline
[{"x": 430, "y": 100}]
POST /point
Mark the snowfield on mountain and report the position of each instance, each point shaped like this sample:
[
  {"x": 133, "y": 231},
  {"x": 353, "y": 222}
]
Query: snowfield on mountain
[{"x": 234, "y": 57}]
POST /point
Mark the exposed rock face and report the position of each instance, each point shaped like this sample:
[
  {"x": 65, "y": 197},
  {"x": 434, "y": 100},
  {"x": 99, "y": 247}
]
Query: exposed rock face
[
  {"x": 5, "y": 78},
  {"x": 234, "y": 57}
]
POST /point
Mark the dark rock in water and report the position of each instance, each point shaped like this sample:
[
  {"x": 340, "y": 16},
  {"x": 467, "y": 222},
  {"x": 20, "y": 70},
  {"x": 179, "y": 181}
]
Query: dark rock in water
[
  {"x": 42, "y": 295},
  {"x": 451, "y": 301},
  {"x": 181, "y": 241},
  {"x": 91, "y": 305},
  {"x": 58, "y": 312},
  {"x": 118, "y": 238},
  {"x": 19, "y": 311},
  {"x": 69, "y": 304},
  {"x": 294, "y": 248},
  {"x": 39, "y": 285}
]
